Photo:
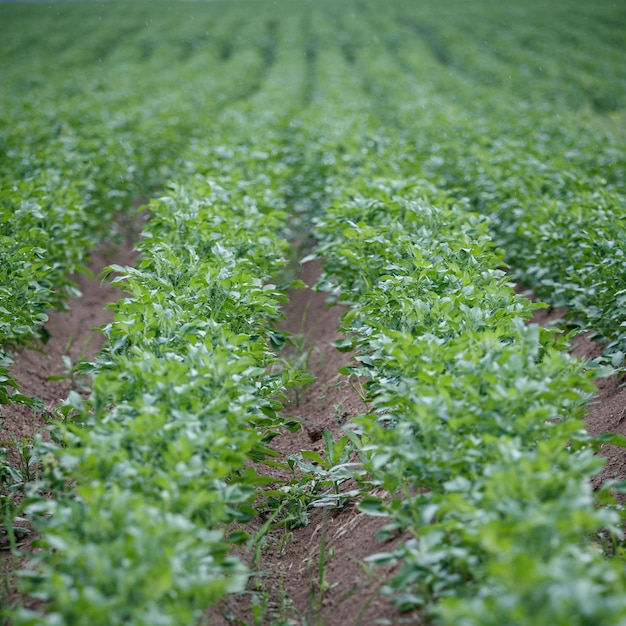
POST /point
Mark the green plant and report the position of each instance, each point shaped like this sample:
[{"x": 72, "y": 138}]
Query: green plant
[{"x": 425, "y": 147}]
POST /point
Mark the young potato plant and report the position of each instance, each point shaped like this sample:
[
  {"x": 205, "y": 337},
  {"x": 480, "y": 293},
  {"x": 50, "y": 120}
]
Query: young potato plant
[
  {"x": 183, "y": 401},
  {"x": 476, "y": 430},
  {"x": 393, "y": 132}
]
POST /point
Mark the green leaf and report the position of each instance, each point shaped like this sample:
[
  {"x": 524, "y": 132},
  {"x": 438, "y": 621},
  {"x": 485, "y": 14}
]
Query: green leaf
[
  {"x": 613, "y": 439},
  {"x": 315, "y": 457},
  {"x": 373, "y": 506}
]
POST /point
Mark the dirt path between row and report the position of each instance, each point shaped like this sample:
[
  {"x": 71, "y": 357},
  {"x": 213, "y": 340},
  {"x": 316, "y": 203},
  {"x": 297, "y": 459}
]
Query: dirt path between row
[
  {"x": 314, "y": 574},
  {"x": 42, "y": 373}
]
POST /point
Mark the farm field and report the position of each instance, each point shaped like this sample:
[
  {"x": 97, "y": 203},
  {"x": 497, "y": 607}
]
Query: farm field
[{"x": 324, "y": 390}]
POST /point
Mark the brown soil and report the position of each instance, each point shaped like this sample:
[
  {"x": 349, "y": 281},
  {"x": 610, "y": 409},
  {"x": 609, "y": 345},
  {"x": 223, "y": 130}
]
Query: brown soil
[
  {"x": 286, "y": 579},
  {"x": 335, "y": 540},
  {"x": 73, "y": 335},
  {"x": 606, "y": 413}
]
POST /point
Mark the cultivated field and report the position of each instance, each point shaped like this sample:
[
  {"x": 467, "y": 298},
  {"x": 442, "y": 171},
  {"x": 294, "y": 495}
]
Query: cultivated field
[{"x": 324, "y": 390}]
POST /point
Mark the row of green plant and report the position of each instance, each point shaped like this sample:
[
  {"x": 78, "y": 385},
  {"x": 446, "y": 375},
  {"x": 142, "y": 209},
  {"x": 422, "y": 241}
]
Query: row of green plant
[
  {"x": 187, "y": 395},
  {"x": 546, "y": 167},
  {"x": 525, "y": 397},
  {"x": 475, "y": 431},
  {"x": 146, "y": 477},
  {"x": 564, "y": 55},
  {"x": 78, "y": 151},
  {"x": 563, "y": 229},
  {"x": 455, "y": 569},
  {"x": 476, "y": 415}
]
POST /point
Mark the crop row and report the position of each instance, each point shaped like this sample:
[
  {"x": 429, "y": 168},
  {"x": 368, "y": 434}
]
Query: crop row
[
  {"x": 187, "y": 395},
  {"x": 517, "y": 148},
  {"x": 183, "y": 400},
  {"x": 431, "y": 89},
  {"x": 475, "y": 430},
  {"x": 549, "y": 175},
  {"x": 92, "y": 146}
]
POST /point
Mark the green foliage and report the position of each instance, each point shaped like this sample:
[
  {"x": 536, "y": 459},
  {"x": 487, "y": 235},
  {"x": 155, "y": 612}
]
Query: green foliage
[
  {"x": 476, "y": 427},
  {"x": 425, "y": 146},
  {"x": 182, "y": 401}
]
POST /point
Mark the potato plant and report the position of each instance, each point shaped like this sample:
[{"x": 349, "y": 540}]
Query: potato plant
[
  {"x": 182, "y": 401},
  {"x": 476, "y": 432},
  {"x": 419, "y": 152}
]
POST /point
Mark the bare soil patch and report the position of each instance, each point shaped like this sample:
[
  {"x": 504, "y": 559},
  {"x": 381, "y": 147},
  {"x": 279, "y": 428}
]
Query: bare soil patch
[
  {"x": 314, "y": 574},
  {"x": 606, "y": 413}
]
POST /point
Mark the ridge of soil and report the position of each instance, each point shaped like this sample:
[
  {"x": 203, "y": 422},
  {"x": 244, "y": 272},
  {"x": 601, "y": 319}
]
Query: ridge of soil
[
  {"x": 314, "y": 574},
  {"x": 41, "y": 372}
]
